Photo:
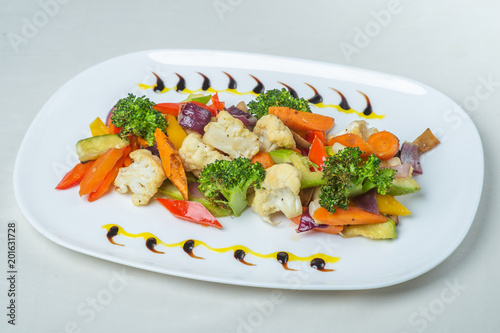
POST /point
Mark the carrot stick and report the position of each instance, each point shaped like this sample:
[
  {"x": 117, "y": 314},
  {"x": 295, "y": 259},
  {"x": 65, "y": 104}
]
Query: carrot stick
[
  {"x": 352, "y": 215},
  {"x": 172, "y": 163},
  {"x": 330, "y": 229},
  {"x": 74, "y": 176},
  {"x": 127, "y": 161},
  {"x": 101, "y": 167},
  {"x": 264, "y": 158},
  {"x": 352, "y": 140},
  {"x": 385, "y": 144},
  {"x": 110, "y": 177},
  {"x": 299, "y": 120}
]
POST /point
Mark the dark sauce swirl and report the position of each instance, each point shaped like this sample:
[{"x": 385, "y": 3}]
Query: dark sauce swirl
[
  {"x": 317, "y": 98},
  {"x": 112, "y": 232},
  {"x": 259, "y": 88},
  {"x": 188, "y": 248},
  {"x": 343, "y": 101},
  {"x": 232, "y": 82},
  {"x": 240, "y": 256},
  {"x": 159, "y": 86},
  {"x": 151, "y": 243},
  {"x": 282, "y": 258},
  {"x": 181, "y": 85},
  {"x": 206, "y": 82},
  {"x": 319, "y": 264},
  {"x": 368, "y": 110}
]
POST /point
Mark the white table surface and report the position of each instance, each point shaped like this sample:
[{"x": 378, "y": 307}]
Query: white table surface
[{"x": 450, "y": 45}]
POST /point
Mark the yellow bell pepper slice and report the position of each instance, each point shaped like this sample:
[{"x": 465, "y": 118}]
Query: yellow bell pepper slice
[
  {"x": 388, "y": 205},
  {"x": 175, "y": 132},
  {"x": 98, "y": 127}
]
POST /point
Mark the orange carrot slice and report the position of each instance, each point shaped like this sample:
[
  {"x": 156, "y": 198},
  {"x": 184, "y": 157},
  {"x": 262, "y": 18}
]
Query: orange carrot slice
[
  {"x": 172, "y": 163},
  {"x": 110, "y": 177},
  {"x": 352, "y": 140},
  {"x": 101, "y": 167},
  {"x": 74, "y": 176},
  {"x": 352, "y": 215},
  {"x": 263, "y": 158},
  {"x": 385, "y": 144},
  {"x": 299, "y": 120}
]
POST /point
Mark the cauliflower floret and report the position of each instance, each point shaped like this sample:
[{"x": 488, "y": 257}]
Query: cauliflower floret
[
  {"x": 273, "y": 134},
  {"x": 143, "y": 177},
  {"x": 358, "y": 127},
  {"x": 229, "y": 135},
  {"x": 279, "y": 192},
  {"x": 195, "y": 154}
]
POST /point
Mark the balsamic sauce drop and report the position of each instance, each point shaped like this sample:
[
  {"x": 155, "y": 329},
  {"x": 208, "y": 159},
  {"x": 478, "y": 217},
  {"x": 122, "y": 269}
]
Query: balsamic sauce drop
[
  {"x": 159, "y": 86},
  {"x": 112, "y": 232},
  {"x": 343, "y": 102},
  {"x": 368, "y": 110},
  {"x": 282, "y": 258},
  {"x": 232, "y": 82},
  {"x": 181, "y": 85},
  {"x": 188, "y": 248},
  {"x": 319, "y": 264},
  {"x": 240, "y": 256},
  {"x": 317, "y": 98},
  {"x": 206, "y": 82},
  {"x": 259, "y": 88},
  {"x": 151, "y": 243}
]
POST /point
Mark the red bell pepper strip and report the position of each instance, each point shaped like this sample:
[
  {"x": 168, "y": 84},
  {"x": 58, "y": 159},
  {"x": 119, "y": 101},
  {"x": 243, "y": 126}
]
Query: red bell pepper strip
[
  {"x": 311, "y": 134},
  {"x": 190, "y": 211},
  {"x": 74, "y": 176},
  {"x": 112, "y": 128},
  {"x": 216, "y": 103},
  {"x": 317, "y": 152},
  {"x": 169, "y": 108}
]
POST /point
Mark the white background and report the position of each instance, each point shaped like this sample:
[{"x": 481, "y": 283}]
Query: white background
[{"x": 449, "y": 45}]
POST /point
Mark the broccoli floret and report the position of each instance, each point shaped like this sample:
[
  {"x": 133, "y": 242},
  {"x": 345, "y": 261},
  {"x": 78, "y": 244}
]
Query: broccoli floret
[
  {"x": 225, "y": 183},
  {"x": 347, "y": 175},
  {"x": 135, "y": 115},
  {"x": 260, "y": 106}
]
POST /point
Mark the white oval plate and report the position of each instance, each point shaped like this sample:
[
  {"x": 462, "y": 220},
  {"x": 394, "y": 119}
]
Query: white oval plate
[{"x": 443, "y": 210}]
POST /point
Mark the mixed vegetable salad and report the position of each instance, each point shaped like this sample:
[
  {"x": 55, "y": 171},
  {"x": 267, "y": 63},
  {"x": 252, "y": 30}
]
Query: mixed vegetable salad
[{"x": 203, "y": 160}]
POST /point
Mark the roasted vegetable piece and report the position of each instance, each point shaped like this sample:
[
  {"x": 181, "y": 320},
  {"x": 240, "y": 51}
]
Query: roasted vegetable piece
[
  {"x": 260, "y": 106},
  {"x": 347, "y": 175},
  {"x": 136, "y": 115},
  {"x": 226, "y": 182},
  {"x": 101, "y": 167},
  {"x": 172, "y": 163},
  {"x": 426, "y": 141},
  {"x": 385, "y": 144},
  {"x": 302, "y": 121},
  {"x": 74, "y": 176},
  {"x": 110, "y": 177},
  {"x": 190, "y": 211},
  {"x": 349, "y": 216}
]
